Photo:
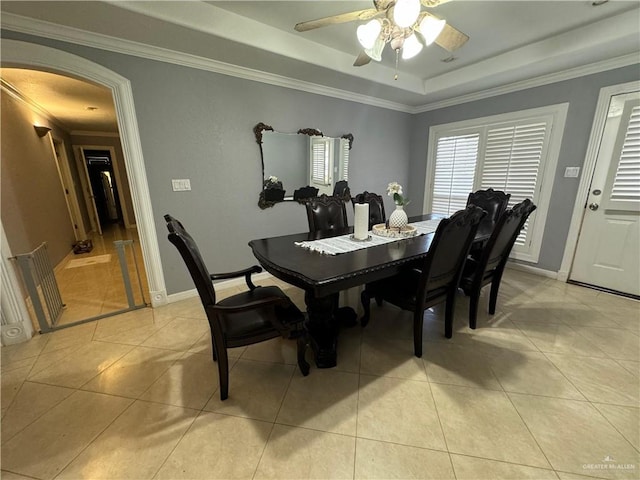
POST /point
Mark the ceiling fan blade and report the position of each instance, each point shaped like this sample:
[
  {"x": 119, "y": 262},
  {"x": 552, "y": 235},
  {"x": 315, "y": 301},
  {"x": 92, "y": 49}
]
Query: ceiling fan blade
[
  {"x": 362, "y": 59},
  {"x": 451, "y": 38},
  {"x": 433, "y": 3},
  {"x": 342, "y": 18}
]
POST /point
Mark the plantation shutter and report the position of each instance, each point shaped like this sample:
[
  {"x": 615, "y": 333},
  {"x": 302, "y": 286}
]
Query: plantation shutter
[
  {"x": 456, "y": 158},
  {"x": 626, "y": 183},
  {"x": 512, "y": 163},
  {"x": 344, "y": 147},
  {"x": 320, "y": 161}
]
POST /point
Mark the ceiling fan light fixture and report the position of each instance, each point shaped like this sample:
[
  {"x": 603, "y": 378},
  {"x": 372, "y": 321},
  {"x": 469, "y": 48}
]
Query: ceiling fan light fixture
[
  {"x": 375, "y": 53},
  {"x": 368, "y": 33},
  {"x": 405, "y": 12},
  {"x": 431, "y": 27},
  {"x": 411, "y": 47}
]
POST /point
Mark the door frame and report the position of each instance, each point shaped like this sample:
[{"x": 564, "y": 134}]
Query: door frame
[
  {"x": 588, "y": 169},
  {"x": 68, "y": 186},
  {"x": 31, "y": 55},
  {"x": 87, "y": 190}
]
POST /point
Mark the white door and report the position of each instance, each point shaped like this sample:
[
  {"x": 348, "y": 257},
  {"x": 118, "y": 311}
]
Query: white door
[
  {"x": 608, "y": 250},
  {"x": 88, "y": 193},
  {"x": 69, "y": 189}
]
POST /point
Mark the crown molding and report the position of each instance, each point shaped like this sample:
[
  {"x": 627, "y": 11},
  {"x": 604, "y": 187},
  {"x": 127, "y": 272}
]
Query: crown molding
[
  {"x": 33, "y": 106},
  {"x": 609, "y": 64},
  {"x": 82, "y": 133},
  {"x": 68, "y": 34},
  {"x": 41, "y": 28}
]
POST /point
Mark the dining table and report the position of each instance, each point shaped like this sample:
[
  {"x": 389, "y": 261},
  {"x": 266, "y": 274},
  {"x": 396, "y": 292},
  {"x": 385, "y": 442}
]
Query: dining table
[{"x": 323, "y": 276}]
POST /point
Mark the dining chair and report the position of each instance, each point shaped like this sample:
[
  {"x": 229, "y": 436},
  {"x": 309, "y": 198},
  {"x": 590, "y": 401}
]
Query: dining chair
[
  {"x": 376, "y": 207},
  {"x": 494, "y": 202},
  {"x": 341, "y": 190},
  {"x": 432, "y": 280},
  {"x": 326, "y": 213},
  {"x": 329, "y": 213},
  {"x": 305, "y": 193},
  {"x": 255, "y": 315},
  {"x": 489, "y": 267}
]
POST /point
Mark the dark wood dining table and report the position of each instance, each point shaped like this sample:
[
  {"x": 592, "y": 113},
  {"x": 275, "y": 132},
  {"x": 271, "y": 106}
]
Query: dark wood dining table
[{"x": 323, "y": 276}]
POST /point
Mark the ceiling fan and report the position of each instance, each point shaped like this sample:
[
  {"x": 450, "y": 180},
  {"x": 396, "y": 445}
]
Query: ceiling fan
[{"x": 401, "y": 23}]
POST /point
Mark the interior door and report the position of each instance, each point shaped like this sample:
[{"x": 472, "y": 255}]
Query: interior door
[
  {"x": 608, "y": 250},
  {"x": 88, "y": 194},
  {"x": 68, "y": 188}
]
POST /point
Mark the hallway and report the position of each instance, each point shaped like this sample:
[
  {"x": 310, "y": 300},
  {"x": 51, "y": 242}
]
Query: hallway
[{"x": 91, "y": 284}]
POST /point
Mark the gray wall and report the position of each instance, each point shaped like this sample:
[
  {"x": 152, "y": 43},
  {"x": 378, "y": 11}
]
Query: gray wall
[
  {"x": 199, "y": 125},
  {"x": 582, "y": 95}
]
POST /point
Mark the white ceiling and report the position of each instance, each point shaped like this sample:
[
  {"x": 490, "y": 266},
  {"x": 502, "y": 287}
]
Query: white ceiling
[{"x": 510, "y": 42}]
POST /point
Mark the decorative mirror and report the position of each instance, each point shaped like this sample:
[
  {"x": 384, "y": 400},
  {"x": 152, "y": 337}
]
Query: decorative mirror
[{"x": 298, "y": 166}]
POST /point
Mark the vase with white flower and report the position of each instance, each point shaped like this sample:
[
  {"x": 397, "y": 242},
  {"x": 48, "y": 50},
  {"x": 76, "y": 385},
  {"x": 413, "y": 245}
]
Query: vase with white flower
[{"x": 398, "y": 218}]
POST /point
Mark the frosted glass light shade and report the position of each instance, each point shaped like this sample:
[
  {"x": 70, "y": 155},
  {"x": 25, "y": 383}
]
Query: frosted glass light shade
[
  {"x": 431, "y": 27},
  {"x": 368, "y": 33},
  {"x": 411, "y": 47},
  {"x": 376, "y": 51},
  {"x": 405, "y": 12}
]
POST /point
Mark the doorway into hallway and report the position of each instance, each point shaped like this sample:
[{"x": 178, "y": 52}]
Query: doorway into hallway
[{"x": 91, "y": 284}]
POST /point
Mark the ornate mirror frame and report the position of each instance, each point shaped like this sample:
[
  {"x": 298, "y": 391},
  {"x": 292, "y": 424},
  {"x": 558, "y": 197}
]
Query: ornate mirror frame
[{"x": 272, "y": 192}]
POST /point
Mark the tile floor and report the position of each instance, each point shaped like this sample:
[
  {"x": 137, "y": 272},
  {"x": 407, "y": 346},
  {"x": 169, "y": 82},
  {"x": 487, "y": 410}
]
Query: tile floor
[
  {"x": 95, "y": 289},
  {"x": 548, "y": 388}
]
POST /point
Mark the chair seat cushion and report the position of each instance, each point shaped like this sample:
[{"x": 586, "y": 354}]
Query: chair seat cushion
[
  {"x": 401, "y": 290},
  {"x": 259, "y": 322},
  {"x": 470, "y": 272}
]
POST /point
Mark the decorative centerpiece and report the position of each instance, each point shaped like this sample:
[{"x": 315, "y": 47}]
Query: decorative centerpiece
[
  {"x": 403, "y": 232},
  {"x": 398, "y": 218}
]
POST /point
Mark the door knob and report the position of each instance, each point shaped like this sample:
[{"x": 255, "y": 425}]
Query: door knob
[{"x": 593, "y": 206}]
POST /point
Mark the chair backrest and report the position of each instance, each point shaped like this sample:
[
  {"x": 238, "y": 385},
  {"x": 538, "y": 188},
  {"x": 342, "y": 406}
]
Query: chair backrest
[
  {"x": 449, "y": 248},
  {"x": 305, "y": 193},
  {"x": 376, "y": 207},
  {"x": 494, "y": 202},
  {"x": 505, "y": 233},
  {"x": 341, "y": 189},
  {"x": 326, "y": 213},
  {"x": 192, "y": 258}
]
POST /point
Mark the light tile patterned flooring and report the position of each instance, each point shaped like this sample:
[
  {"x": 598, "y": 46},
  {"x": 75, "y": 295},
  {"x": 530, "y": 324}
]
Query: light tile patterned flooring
[
  {"x": 548, "y": 388},
  {"x": 98, "y": 288}
]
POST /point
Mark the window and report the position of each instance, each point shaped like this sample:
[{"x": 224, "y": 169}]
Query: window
[
  {"x": 320, "y": 160},
  {"x": 515, "y": 152},
  {"x": 344, "y": 159},
  {"x": 625, "y": 191}
]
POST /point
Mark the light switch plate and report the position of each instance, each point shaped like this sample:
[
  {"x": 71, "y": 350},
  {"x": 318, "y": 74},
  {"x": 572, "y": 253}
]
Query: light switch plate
[
  {"x": 571, "y": 172},
  {"x": 181, "y": 184}
]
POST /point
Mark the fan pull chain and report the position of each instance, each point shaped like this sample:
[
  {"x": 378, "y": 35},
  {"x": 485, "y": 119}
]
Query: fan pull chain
[{"x": 397, "y": 56}]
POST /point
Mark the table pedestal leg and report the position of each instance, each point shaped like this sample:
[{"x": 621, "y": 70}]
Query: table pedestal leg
[{"x": 322, "y": 328}]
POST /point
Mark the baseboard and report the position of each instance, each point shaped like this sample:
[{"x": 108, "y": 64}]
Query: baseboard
[
  {"x": 533, "y": 270},
  {"x": 234, "y": 282}
]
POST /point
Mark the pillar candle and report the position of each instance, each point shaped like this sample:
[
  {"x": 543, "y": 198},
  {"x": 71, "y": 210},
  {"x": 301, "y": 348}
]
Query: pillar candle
[{"x": 361, "y": 221}]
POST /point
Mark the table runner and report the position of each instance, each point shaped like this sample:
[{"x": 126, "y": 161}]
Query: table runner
[{"x": 344, "y": 243}]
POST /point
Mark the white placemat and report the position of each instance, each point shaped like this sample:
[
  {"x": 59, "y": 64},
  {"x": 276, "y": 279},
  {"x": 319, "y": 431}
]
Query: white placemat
[{"x": 345, "y": 243}]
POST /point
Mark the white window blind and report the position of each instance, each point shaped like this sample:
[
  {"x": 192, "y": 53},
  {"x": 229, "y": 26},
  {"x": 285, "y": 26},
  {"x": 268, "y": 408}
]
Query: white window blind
[
  {"x": 512, "y": 162},
  {"x": 515, "y": 152},
  {"x": 320, "y": 160},
  {"x": 454, "y": 172},
  {"x": 626, "y": 184},
  {"x": 344, "y": 148}
]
